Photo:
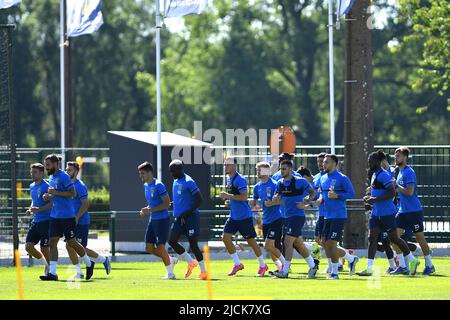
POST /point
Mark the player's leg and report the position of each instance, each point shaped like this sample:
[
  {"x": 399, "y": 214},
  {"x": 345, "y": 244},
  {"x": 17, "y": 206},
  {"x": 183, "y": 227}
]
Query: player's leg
[
  {"x": 289, "y": 251},
  {"x": 150, "y": 239},
  {"x": 33, "y": 237},
  {"x": 306, "y": 254},
  {"x": 75, "y": 262},
  {"x": 69, "y": 230},
  {"x": 323, "y": 234},
  {"x": 161, "y": 251},
  {"x": 192, "y": 232},
  {"x": 55, "y": 232},
  {"x": 334, "y": 256},
  {"x": 161, "y": 232},
  {"x": 230, "y": 228},
  {"x": 417, "y": 227},
  {"x": 247, "y": 230},
  {"x": 175, "y": 233},
  {"x": 272, "y": 234},
  {"x": 334, "y": 235},
  {"x": 374, "y": 232},
  {"x": 387, "y": 249},
  {"x": 429, "y": 267},
  {"x": 179, "y": 227},
  {"x": 405, "y": 221},
  {"x": 82, "y": 235},
  {"x": 407, "y": 235}
]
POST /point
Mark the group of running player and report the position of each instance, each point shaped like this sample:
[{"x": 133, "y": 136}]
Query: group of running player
[{"x": 60, "y": 208}]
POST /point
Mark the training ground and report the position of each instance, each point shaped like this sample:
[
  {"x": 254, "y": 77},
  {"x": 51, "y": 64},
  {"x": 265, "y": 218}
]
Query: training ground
[{"x": 143, "y": 280}]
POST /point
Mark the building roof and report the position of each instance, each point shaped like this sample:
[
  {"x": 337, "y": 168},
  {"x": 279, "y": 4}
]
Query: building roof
[{"x": 167, "y": 138}]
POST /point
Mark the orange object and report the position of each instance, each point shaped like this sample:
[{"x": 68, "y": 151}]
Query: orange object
[
  {"x": 19, "y": 189},
  {"x": 19, "y": 274},
  {"x": 190, "y": 268},
  {"x": 282, "y": 140},
  {"x": 208, "y": 274}
]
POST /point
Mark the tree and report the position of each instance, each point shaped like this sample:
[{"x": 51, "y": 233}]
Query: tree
[{"x": 430, "y": 22}]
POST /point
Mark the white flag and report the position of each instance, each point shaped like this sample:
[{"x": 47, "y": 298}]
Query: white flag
[
  {"x": 83, "y": 17},
  {"x": 344, "y": 6},
  {"x": 179, "y": 8},
  {"x": 8, "y": 3}
]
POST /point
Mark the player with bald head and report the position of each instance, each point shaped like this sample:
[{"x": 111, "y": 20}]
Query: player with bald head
[
  {"x": 187, "y": 198},
  {"x": 241, "y": 218}
]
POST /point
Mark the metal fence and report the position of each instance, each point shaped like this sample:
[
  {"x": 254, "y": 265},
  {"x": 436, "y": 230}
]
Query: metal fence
[{"x": 431, "y": 164}]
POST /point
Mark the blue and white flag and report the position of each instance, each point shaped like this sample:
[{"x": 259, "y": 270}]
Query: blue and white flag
[
  {"x": 8, "y": 3},
  {"x": 344, "y": 6},
  {"x": 83, "y": 17},
  {"x": 179, "y": 8}
]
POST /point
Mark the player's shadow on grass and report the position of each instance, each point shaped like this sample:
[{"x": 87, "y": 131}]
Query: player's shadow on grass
[
  {"x": 101, "y": 278},
  {"x": 127, "y": 269}
]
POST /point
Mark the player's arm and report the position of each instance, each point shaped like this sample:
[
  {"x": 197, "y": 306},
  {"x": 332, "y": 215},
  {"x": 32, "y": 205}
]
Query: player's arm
[
  {"x": 45, "y": 207},
  {"x": 66, "y": 194},
  {"x": 254, "y": 201},
  {"x": 198, "y": 199},
  {"x": 390, "y": 194},
  {"x": 319, "y": 201},
  {"x": 28, "y": 212},
  {"x": 408, "y": 191},
  {"x": 410, "y": 179},
  {"x": 163, "y": 206},
  {"x": 243, "y": 196},
  {"x": 311, "y": 195},
  {"x": 84, "y": 207},
  {"x": 348, "y": 192},
  {"x": 276, "y": 201}
]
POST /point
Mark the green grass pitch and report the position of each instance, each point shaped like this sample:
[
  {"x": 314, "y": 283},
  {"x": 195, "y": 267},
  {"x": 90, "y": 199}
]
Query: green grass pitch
[{"x": 143, "y": 280}]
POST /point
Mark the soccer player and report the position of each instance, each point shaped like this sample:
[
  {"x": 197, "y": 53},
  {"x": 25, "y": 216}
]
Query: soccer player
[
  {"x": 312, "y": 247},
  {"x": 410, "y": 214},
  {"x": 62, "y": 217},
  {"x": 277, "y": 176},
  {"x": 187, "y": 198},
  {"x": 81, "y": 205},
  {"x": 272, "y": 220},
  {"x": 40, "y": 209},
  {"x": 321, "y": 213},
  {"x": 241, "y": 218},
  {"x": 291, "y": 193},
  {"x": 158, "y": 201},
  {"x": 383, "y": 244},
  {"x": 335, "y": 188},
  {"x": 383, "y": 212}
]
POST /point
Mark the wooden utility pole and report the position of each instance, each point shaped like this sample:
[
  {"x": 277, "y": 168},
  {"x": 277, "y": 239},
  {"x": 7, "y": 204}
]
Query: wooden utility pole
[{"x": 358, "y": 123}]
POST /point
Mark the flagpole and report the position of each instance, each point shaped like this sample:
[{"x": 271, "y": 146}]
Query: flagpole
[
  {"x": 61, "y": 79},
  {"x": 158, "y": 90},
  {"x": 331, "y": 72}
]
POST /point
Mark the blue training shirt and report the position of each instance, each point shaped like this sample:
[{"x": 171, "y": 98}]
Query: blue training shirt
[
  {"x": 62, "y": 206},
  {"x": 154, "y": 192},
  {"x": 316, "y": 185},
  {"x": 265, "y": 191},
  {"x": 36, "y": 192},
  {"x": 406, "y": 178},
  {"x": 277, "y": 177},
  {"x": 341, "y": 184},
  {"x": 293, "y": 191},
  {"x": 381, "y": 181},
  {"x": 184, "y": 190},
  {"x": 239, "y": 210},
  {"x": 82, "y": 194}
]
